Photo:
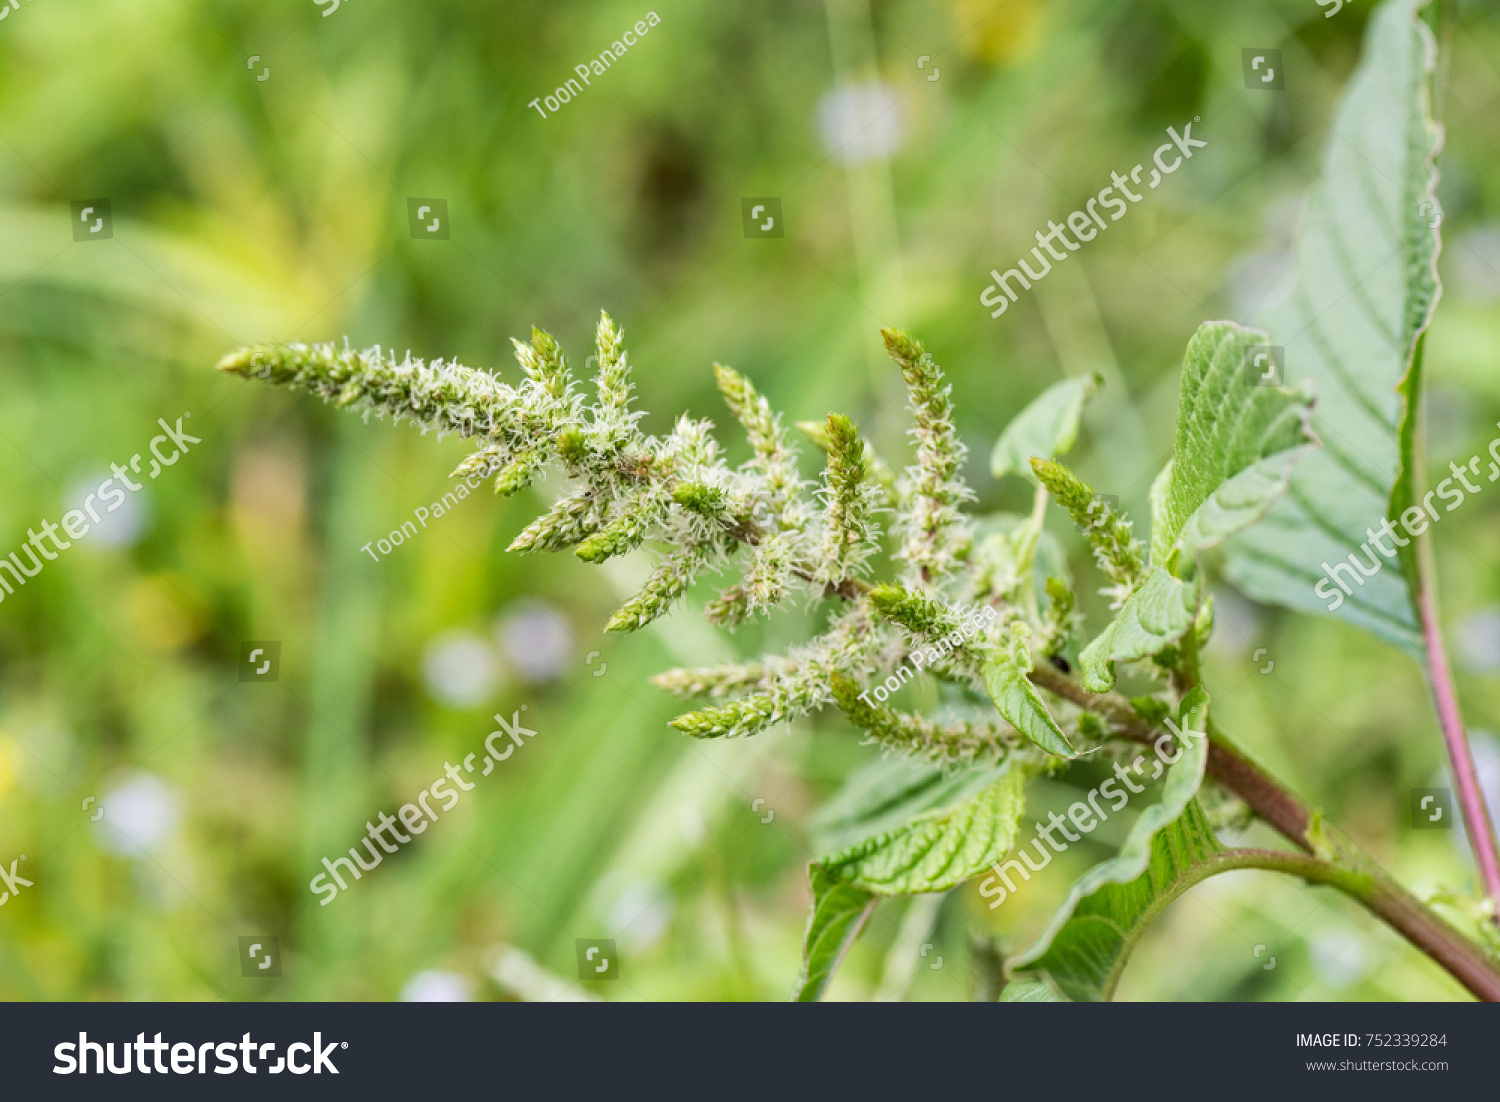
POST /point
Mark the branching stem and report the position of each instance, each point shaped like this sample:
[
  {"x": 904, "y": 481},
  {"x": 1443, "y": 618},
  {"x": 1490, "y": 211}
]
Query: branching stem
[
  {"x": 1361, "y": 879},
  {"x": 1352, "y": 871}
]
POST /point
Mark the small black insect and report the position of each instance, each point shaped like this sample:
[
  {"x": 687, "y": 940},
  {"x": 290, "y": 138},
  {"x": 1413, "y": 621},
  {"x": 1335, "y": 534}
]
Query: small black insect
[{"x": 1061, "y": 663}]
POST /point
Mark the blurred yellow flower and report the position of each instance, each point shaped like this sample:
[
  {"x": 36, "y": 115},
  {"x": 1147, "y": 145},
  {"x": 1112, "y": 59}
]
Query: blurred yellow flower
[
  {"x": 997, "y": 31},
  {"x": 7, "y": 763},
  {"x": 162, "y": 614}
]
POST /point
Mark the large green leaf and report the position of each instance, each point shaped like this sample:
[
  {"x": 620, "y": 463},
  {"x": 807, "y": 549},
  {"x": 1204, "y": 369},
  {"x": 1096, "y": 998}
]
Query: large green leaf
[
  {"x": 1085, "y": 945},
  {"x": 1364, "y": 294},
  {"x": 905, "y": 828},
  {"x": 939, "y": 849},
  {"x": 1236, "y": 446},
  {"x": 1017, "y": 698},
  {"x": 838, "y": 914},
  {"x": 889, "y": 792},
  {"x": 1046, "y": 428}
]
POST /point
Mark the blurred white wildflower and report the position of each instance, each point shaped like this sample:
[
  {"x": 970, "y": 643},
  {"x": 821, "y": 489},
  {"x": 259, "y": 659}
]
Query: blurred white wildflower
[
  {"x": 459, "y": 669},
  {"x": 140, "y": 813},
  {"x": 438, "y": 987},
  {"x": 639, "y": 914},
  {"x": 519, "y": 974},
  {"x": 122, "y": 526},
  {"x": 535, "y": 640},
  {"x": 860, "y": 122},
  {"x": 1478, "y": 638}
]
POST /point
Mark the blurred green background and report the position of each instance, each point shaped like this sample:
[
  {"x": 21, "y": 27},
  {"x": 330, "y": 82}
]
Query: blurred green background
[{"x": 247, "y": 209}]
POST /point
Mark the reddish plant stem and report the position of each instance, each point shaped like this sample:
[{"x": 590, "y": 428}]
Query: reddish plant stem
[
  {"x": 1470, "y": 796},
  {"x": 1421, "y": 570},
  {"x": 1266, "y": 798}
]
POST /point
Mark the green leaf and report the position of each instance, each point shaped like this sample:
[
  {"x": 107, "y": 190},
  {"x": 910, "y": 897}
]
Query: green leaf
[
  {"x": 1086, "y": 944},
  {"x": 1226, "y": 425},
  {"x": 1236, "y": 505},
  {"x": 1028, "y": 991},
  {"x": 838, "y": 914},
  {"x": 899, "y": 826},
  {"x": 1364, "y": 293},
  {"x": 1047, "y": 427},
  {"x": 1087, "y": 956},
  {"x": 1017, "y": 698},
  {"x": 938, "y": 850},
  {"x": 1154, "y": 618},
  {"x": 889, "y": 792},
  {"x": 1236, "y": 446}
]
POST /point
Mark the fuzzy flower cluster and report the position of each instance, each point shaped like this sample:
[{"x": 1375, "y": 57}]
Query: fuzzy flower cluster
[
  {"x": 785, "y": 535},
  {"x": 1116, "y": 550}
]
